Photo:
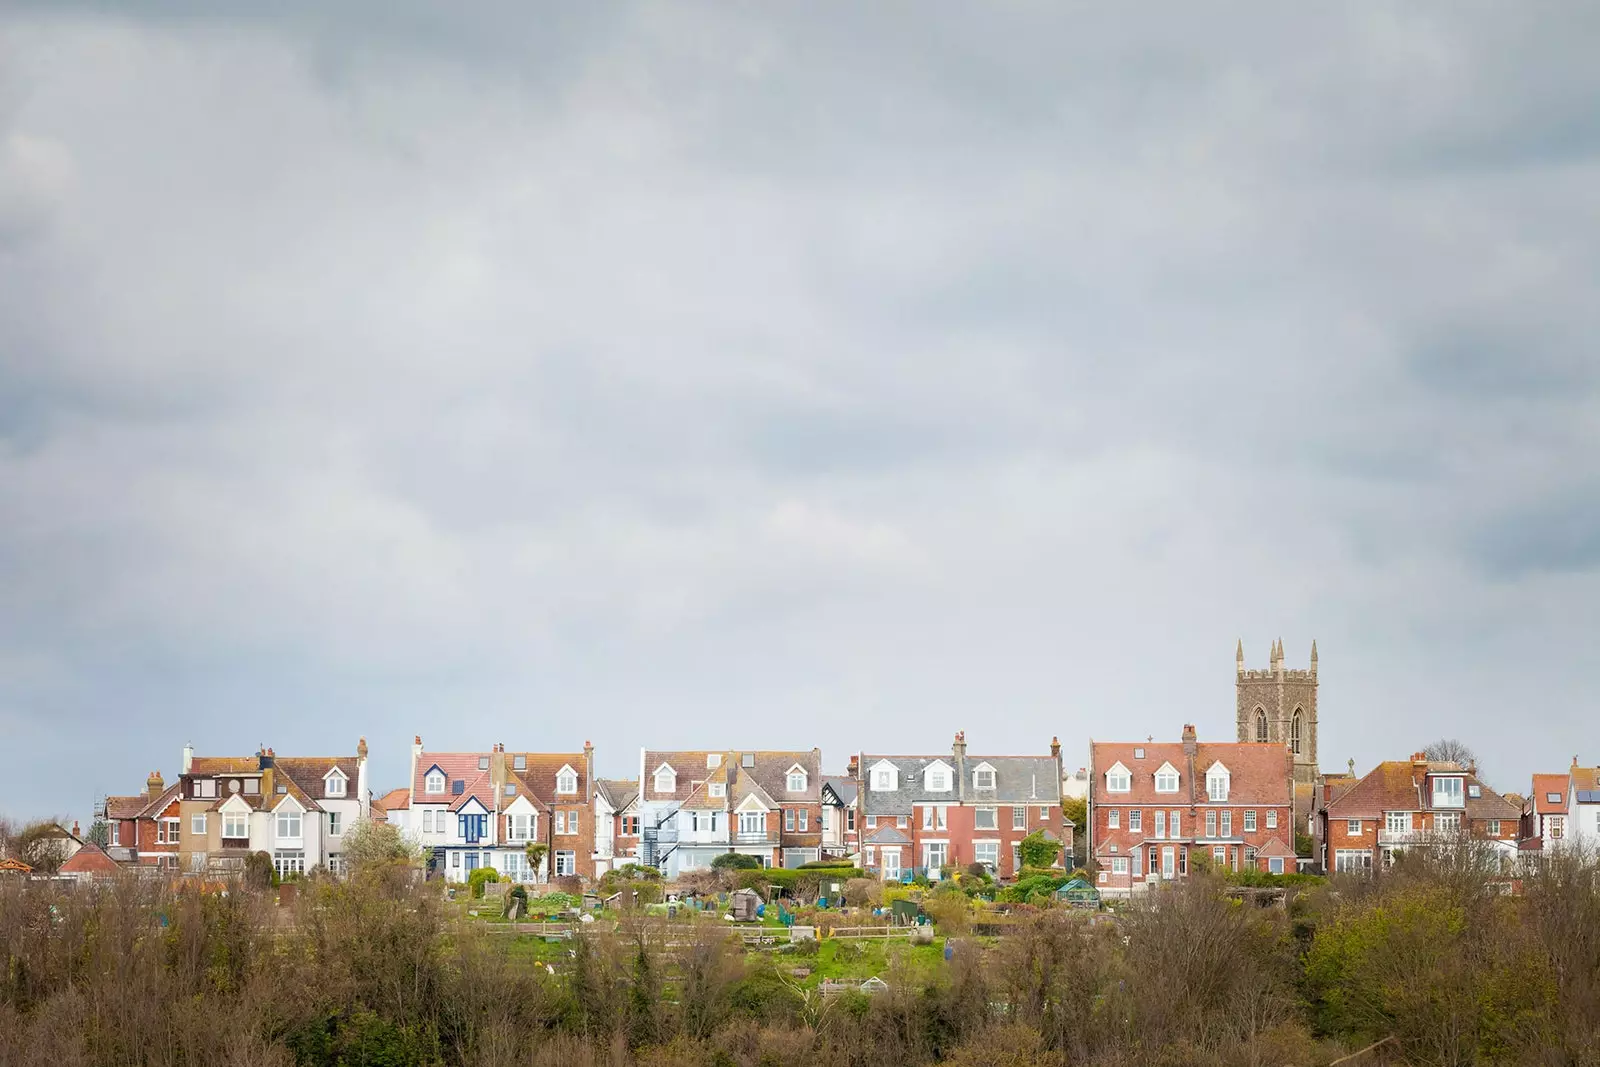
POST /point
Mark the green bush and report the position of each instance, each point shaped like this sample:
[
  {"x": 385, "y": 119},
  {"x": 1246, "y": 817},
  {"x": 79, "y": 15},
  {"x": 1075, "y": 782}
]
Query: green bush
[
  {"x": 1038, "y": 850},
  {"x": 735, "y": 861},
  {"x": 477, "y": 878}
]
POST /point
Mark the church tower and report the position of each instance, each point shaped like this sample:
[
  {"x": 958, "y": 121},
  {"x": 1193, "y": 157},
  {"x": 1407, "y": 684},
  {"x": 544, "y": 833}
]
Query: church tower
[{"x": 1279, "y": 705}]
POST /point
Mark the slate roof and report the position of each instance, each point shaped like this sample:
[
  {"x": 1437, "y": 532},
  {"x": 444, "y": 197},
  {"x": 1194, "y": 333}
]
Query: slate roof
[
  {"x": 1258, "y": 773},
  {"x": 887, "y": 834},
  {"x": 1400, "y": 785},
  {"x": 843, "y": 787},
  {"x": 1018, "y": 780},
  {"x": 618, "y": 792}
]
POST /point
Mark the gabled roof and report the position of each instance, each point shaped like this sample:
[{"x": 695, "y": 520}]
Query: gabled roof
[
  {"x": 394, "y": 800},
  {"x": 90, "y": 859},
  {"x": 456, "y": 766},
  {"x": 618, "y": 792},
  {"x": 1275, "y": 849},
  {"x": 1018, "y": 780},
  {"x": 1550, "y": 783},
  {"x": 842, "y": 788},
  {"x": 1401, "y": 785},
  {"x": 1585, "y": 784},
  {"x": 690, "y": 769},
  {"x": 887, "y": 834},
  {"x": 1258, "y": 773},
  {"x": 745, "y": 787},
  {"x": 771, "y": 772}
]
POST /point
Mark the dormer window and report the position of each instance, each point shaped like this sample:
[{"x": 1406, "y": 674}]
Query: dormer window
[
  {"x": 1217, "y": 783},
  {"x": 1119, "y": 780},
  {"x": 938, "y": 780},
  {"x": 1167, "y": 779},
  {"x": 666, "y": 779},
  {"x": 885, "y": 777},
  {"x": 717, "y": 789},
  {"x": 797, "y": 780},
  {"x": 334, "y": 784},
  {"x": 983, "y": 777},
  {"x": 566, "y": 780},
  {"x": 1447, "y": 792},
  {"x": 434, "y": 782}
]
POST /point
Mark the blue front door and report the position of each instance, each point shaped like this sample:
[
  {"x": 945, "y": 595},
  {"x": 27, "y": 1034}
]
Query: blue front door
[{"x": 472, "y": 861}]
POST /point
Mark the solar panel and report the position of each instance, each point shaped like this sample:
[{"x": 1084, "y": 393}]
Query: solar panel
[{"x": 1589, "y": 796}]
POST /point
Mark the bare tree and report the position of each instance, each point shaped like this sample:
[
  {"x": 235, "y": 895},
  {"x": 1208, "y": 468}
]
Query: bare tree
[{"x": 1450, "y": 750}]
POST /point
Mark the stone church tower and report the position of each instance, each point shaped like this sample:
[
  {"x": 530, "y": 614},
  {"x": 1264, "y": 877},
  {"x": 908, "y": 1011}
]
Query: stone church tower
[{"x": 1279, "y": 705}]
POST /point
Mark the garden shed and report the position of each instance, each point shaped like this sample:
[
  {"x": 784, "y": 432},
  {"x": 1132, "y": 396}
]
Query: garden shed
[{"x": 746, "y": 905}]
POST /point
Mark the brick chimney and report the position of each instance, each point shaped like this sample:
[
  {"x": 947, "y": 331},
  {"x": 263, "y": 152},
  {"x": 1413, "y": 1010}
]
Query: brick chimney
[
  {"x": 853, "y": 768},
  {"x": 1190, "y": 740},
  {"x": 588, "y": 769},
  {"x": 154, "y": 786},
  {"x": 75, "y": 832},
  {"x": 958, "y": 749},
  {"x": 1191, "y": 749}
]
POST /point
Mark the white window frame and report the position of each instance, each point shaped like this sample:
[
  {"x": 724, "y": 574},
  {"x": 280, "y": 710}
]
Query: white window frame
[
  {"x": 434, "y": 783},
  {"x": 239, "y": 820},
  {"x": 1174, "y": 823},
  {"x": 978, "y": 815},
  {"x": 289, "y": 861},
  {"x": 885, "y": 778},
  {"x": 1249, "y": 821},
  {"x": 987, "y": 853},
  {"x": 115, "y": 834},
  {"x": 1136, "y": 820},
  {"x": 1494, "y": 827},
  {"x": 1397, "y": 822},
  {"x": 1113, "y": 819},
  {"x": 1161, "y": 823},
  {"x": 1019, "y": 818},
  {"x": 717, "y": 789},
  {"x": 752, "y": 823},
  {"x": 983, "y": 778},
  {"x": 1453, "y": 796},
  {"x": 666, "y": 780},
  {"x": 1352, "y": 827},
  {"x": 938, "y": 780},
  {"x": 197, "y": 824},
  {"x": 1119, "y": 865},
  {"x": 205, "y": 788},
  {"x": 1167, "y": 779},
  {"x": 788, "y": 820},
  {"x": 1227, "y": 823},
  {"x": 796, "y": 781},
  {"x": 1119, "y": 779},
  {"x": 1211, "y": 824},
  {"x": 335, "y": 824},
  {"x": 288, "y": 816},
  {"x": 566, "y": 863},
  {"x": 805, "y": 820},
  {"x": 1272, "y": 820},
  {"x": 1447, "y": 822},
  {"x": 335, "y": 784},
  {"x": 567, "y": 782},
  {"x": 1217, "y": 785}
]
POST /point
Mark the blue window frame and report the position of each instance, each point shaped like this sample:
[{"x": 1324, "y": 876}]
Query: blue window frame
[{"x": 473, "y": 827}]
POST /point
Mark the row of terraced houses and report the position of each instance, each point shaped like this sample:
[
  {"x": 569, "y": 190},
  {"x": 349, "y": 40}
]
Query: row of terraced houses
[{"x": 1152, "y": 809}]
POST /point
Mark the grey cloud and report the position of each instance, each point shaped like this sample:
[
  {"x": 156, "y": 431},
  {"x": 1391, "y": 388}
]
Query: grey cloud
[{"x": 883, "y": 371}]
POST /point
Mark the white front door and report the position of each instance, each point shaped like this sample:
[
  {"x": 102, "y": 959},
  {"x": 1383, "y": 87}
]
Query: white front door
[
  {"x": 933, "y": 855},
  {"x": 1168, "y": 862},
  {"x": 891, "y": 864}
]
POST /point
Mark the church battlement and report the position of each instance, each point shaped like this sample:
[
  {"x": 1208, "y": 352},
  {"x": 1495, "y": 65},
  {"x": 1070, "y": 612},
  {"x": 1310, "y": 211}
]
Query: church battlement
[
  {"x": 1286, "y": 673},
  {"x": 1278, "y": 705}
]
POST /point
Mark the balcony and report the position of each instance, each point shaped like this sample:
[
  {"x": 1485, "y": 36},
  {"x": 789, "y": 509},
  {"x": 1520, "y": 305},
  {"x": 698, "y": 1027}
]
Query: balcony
[
  {"x": 761, "y": 838},
  {"x": 1405, "y": 837}
]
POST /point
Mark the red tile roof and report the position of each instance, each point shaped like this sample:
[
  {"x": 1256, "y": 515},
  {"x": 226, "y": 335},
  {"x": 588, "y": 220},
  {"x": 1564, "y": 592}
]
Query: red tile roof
[
  {"x": 394, "y": 800},
  {"x": 1258, "y": 774},
  {"x": 1549, "y": 783},
  {"x": 1585, "y": 778},
  {"x": 1401, "y": 785},
  {"x": 90, "y": 859}
]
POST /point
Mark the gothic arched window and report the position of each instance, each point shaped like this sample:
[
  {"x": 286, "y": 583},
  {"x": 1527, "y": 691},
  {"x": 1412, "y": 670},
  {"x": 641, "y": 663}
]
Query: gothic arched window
[
  {"x": 1294, "y": 732},
  {"x": 1261, "y": 725}
]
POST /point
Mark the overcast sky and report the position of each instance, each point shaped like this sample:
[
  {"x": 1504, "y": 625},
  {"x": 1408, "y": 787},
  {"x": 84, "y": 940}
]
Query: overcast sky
[{"x": 706, "y": 376}]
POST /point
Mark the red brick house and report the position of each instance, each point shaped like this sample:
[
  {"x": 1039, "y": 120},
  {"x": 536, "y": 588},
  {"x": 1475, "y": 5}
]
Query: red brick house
[
  {"x": 145, "y": 829},
  {"x": 1413, "y": 803},
  {"x": 918, "y": 814},
  {"x": 1152, "y": 805}
]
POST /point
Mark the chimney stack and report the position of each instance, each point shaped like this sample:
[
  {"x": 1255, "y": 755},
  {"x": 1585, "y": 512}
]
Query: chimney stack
[
  {"x": 497, "y": 774},
  {"x": 188, "y": 757},
  {"x": 361, "y": 748},
  {"x": 588, "y": 768},
  {"x": 1055, "y": 748},
  {"x": 1190, "y": 740},
  {"x": 154, "y": 786},
  {"x": 75, "y": 832},
  {"x": 853, "y": 768}
]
